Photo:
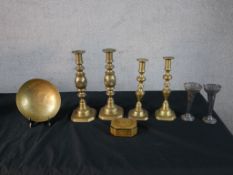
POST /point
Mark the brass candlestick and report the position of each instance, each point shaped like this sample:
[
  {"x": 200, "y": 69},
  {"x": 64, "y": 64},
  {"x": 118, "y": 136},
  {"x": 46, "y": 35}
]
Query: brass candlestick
[
  {"x": 138, "y": 112},
  {"x": 110, "y": 110},
  {"x": 165, "y": 113},
  {"x": 83, "y": 113}
]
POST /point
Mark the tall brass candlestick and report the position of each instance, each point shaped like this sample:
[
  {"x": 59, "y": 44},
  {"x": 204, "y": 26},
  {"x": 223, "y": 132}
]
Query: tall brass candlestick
[
  {"x": 83, "y": 113},
  {"x": 110, "y": 110},
  {"x": 165, "y": 113},
  {"x": 138, "y": 112}
]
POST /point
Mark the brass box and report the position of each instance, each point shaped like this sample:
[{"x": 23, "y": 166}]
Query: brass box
[{"x": 123, "y": 127}]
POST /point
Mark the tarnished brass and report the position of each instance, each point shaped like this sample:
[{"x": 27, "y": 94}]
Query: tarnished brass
[
  {"x": 38, "y": 100},
  {"x": 110, "y": 110},
  {"x": 123, "y": 127},
  {"x": 83, "y": 113},
  {"x": 138, "y": 112},
  {"x": 165, "y": 113}
]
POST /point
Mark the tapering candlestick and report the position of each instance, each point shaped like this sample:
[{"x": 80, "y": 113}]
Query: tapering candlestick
[
  {"x": 211, "y": 90},
  {"x": 110, "y": 110},
  {"x": 138, "y": 112},
  {"x": 165, "y": 113},
  {"x": 83, "y": 113}
]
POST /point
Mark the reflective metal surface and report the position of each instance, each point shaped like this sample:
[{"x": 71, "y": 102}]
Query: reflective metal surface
[
  {"x": 110, "y": 111},
  {"x": 82, "y": 113},
  {"x": 38, "y": 100},
  {"x": 138, "y": 112},
  {"x": 165, "y": 113},
  {"x": 123, "y": 127}
]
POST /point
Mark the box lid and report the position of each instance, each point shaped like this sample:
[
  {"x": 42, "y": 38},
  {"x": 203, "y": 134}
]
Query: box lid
[{"x": 124, "y": 123}]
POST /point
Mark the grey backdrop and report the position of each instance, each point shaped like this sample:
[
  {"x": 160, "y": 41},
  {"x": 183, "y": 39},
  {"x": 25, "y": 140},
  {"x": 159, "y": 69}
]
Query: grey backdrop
[{"x": 37, "y": 37}]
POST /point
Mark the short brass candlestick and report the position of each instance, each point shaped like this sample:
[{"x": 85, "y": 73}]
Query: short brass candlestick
[
  {"x": 83, "y": 113},
  {"x": 165, "y": 113},
  {"x": 110, "y": 110},
  {"x": 138, "y": 112}
]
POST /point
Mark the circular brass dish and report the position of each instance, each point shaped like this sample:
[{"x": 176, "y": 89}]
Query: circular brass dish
[{"x": 38, "y": 100}]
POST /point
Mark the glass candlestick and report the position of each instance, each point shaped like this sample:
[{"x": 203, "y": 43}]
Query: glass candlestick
[
  {"x": 211, "y": 90},
  {"x": 192, "y": 89},
  {"x": 138, "y": 112}
]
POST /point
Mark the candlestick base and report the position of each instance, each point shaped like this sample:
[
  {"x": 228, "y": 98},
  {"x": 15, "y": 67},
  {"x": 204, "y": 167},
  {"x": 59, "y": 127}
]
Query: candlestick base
[
  {"x": 138, "y": 114},
  {"x": 187, "y": 117},
  {"x": 209, "y": 119},
  {"x": 111, "y": 112},
  {"x": 165, "y": 113},
  {"x": 86, "y": 114}
]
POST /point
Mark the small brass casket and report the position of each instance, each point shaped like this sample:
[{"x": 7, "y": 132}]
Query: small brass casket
[{"x": 123, "y": 127}]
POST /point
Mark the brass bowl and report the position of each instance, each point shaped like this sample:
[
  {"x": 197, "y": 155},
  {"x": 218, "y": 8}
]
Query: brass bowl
[{"x": 38, "y": 100}]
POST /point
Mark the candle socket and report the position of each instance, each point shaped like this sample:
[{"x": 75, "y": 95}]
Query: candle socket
[
  {"x": 83, "y": 113},
  {"x": 165, "y": 113},
  {"x": 110, "y": 111},
  {"x": 138, "y": 112}
]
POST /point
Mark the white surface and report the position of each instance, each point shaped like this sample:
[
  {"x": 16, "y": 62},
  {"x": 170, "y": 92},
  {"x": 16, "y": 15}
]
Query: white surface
[{"x": 37, "y": 37}]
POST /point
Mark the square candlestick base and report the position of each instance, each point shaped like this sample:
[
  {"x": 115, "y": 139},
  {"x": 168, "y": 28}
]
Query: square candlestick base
[
  {"x": 86, "y": 115},
  {"x": 110, "y": 113}
]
